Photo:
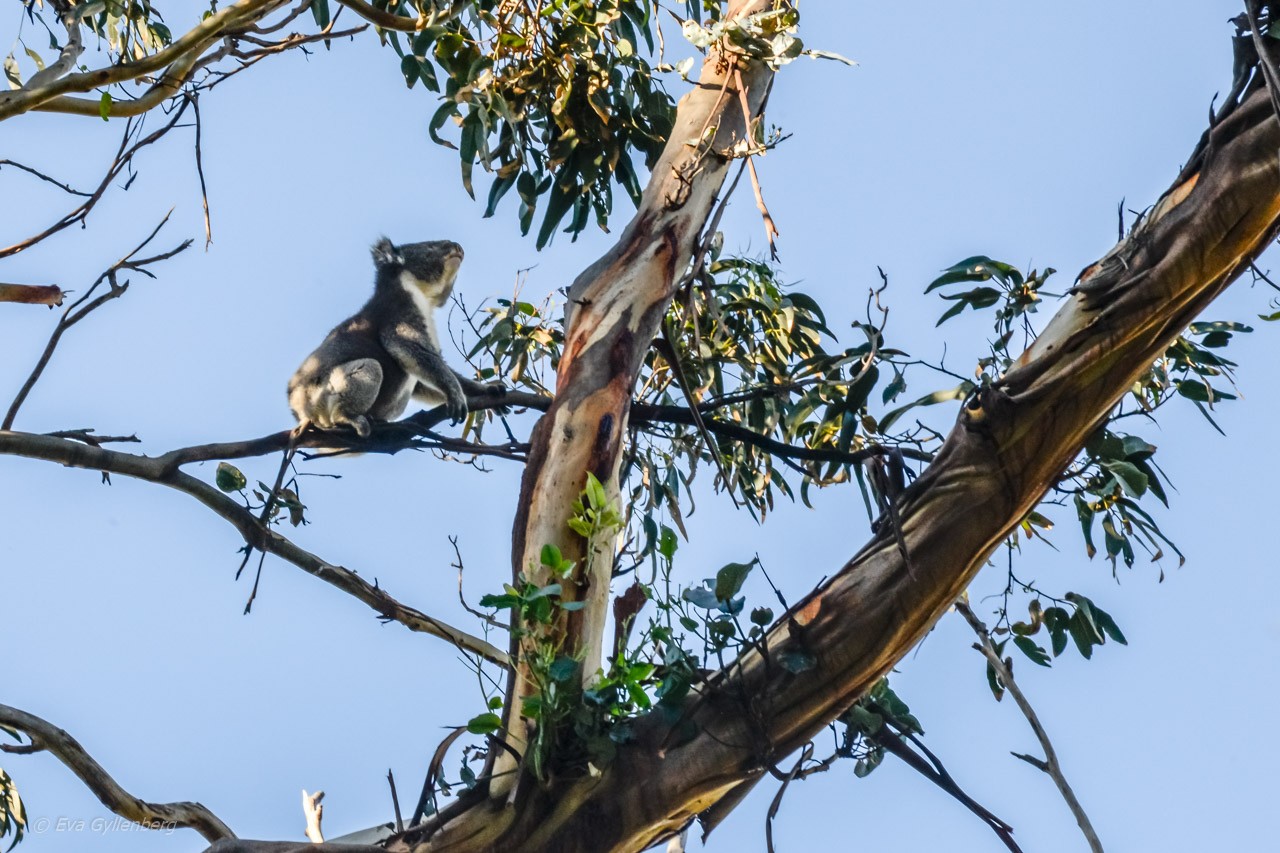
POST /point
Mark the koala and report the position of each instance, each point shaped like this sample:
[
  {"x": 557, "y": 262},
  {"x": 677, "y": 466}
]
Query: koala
[{"x": 371, "y": 364}]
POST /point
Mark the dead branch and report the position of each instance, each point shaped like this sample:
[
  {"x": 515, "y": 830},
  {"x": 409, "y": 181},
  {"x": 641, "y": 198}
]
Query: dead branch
[
  {"x": 1050, "y": 765},
  {"x": 31, "y": 294},
  {"x": 313, "y": 811},
  {"x": 62, "y": 746}
]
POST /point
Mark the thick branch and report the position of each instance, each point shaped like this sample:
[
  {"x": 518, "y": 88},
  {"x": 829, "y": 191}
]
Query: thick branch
[
  {"x": 68, "y": 750},
  {"x": 617, "y": 305},
  {"x": 255, "y": 533}
]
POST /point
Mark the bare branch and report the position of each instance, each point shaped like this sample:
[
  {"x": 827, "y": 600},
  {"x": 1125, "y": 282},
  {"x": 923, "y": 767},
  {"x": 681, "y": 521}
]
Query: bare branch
[
  {"x": 123, "y": 158},
  {"x": 255, "y": 533},
  {"x": 314, "y": 813},
  {"x": 895, "y": 743},
  {"x": 1050, "y": 765},
  {"x": 65, "y": 748}
]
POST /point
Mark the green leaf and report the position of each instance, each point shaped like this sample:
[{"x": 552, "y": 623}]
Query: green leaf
[
  {"x": 229, "y": 478},
  {"x": 729, "y": 579},
  {"x": 993, "y": 681},
  {"x": 863, "y": 767},
  {"x": 1031, "y": 650},
  {"x": 484, "y": 724},
  {"x": 976, "y": 268},
  {"x": 499, "y": 602},
  {"x": 865, "y": 720},
  {"x": 1108, "y": 625},
  {"x": 895, "y": 387},
  {"x": 320, "y": 11},
  {"x": 957, "y": 393},
  {"x": 104, "y": 106},
  {"x": 551, "y": 556},
  {"x": 1131, "y": 479},
  {"x": 667, "y": 542},
  {"x": 563, "y": 669},
  {"x": 1086, "y": 636}
]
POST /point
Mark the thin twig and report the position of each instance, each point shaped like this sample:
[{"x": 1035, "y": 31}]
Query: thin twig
[
  {"x": 42, "y": 176},
  {"x": 1051, "y": 765},
  {"x": 65, "y": 748},
  {"x": 805, "y": 755},
  {"x": 895, "y": 743},
  {"x": 395, "y": 800},
  {"x": 770, "y": 228},
  {"x": 484, "y": 617},
  {"x": 123, "y": 158},
  {"x": 204, "y": 192}
]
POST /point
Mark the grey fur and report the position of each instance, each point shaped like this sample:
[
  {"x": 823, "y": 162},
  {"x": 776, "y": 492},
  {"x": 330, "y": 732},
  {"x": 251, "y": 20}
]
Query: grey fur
[{"x": 372, "y": 363}]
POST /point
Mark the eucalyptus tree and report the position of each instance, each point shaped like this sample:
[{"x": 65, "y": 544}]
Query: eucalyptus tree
[{"x": 672, "y": 355}]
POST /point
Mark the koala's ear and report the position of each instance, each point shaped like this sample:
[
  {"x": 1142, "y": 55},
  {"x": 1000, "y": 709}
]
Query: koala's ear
[{"x": 385, "y": 254}]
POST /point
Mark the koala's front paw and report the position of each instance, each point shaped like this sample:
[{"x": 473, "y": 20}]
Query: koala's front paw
[{"x": 456, "y": 406}]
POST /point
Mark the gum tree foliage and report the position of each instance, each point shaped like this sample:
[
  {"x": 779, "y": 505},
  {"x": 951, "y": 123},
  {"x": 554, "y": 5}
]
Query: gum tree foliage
[{"x": 717, "y": 368}]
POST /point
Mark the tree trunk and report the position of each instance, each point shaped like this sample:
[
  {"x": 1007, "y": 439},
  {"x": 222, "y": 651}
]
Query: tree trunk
[{"x": 615, "y": 308}]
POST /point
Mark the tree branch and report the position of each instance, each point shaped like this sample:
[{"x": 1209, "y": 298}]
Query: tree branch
[
  {"x": 178, "y": 58},
  {"x": 124, "y": 156},
  {"x": 399, "y": 23},
  {"x": 65, "y": 748},
  {"x": 31, "y": 294},
  {"x": 1050, "y": 765},
  {"x": 1010, "y": 442},
  {"x": 255, "y": 533}
]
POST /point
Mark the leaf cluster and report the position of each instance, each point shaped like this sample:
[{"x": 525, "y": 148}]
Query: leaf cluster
[
  {"x": 554, "y": 99},
  {"x": 1086, "y": 624},
  {"x": 866, "y": 719}
]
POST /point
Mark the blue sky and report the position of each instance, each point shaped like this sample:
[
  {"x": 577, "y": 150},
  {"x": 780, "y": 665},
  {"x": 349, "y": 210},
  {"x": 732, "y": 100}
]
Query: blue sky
[{"x": 1010, "y": 129}]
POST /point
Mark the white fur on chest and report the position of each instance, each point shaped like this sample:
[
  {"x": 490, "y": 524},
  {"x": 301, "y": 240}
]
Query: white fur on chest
[{"x": 425, "y": 307}]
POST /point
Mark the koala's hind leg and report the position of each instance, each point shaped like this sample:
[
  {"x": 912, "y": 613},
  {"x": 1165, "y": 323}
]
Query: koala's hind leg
[{"x": 347, "y": 395}]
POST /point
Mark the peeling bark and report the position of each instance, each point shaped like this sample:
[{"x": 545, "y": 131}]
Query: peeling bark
[
  {"x": 1010, "y": 443},
  {"x": 615, "y": 308}
]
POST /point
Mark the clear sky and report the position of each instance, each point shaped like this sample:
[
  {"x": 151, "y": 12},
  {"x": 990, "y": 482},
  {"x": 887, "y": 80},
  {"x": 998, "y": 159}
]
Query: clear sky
[{"x": 1011, "y": 129}]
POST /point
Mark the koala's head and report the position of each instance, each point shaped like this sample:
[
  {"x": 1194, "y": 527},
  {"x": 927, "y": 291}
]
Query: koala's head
[{"x": 431, "y": 267}]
